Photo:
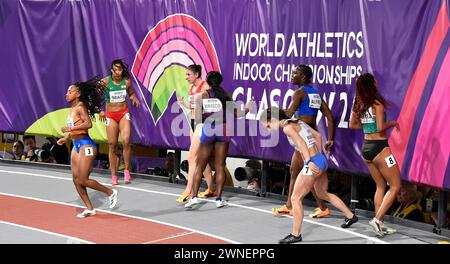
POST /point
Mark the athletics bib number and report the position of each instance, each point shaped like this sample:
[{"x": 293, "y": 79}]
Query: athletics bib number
[
  {"x": 390, "y": 161},
  {"x": 212, "y": 105},
  {"x": 88, "y": 151},
  {"x": 117, "y": 96},
  {"x": 107, "y": 121},
  {"x": 314, "y": 101},
  {"x": 127, "y": 116},
  {"x": 307, "y": 171},
  {"x": 368, "y": 117}
]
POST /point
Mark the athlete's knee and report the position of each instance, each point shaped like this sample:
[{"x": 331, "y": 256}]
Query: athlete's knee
[
  {"x": 112, "y": 145},
  {"x": 126, "y": 141},
  {"x": 395, "y": 188},
  {"x": 297, "y": 196},
  {"x": 81, "y": 181},
  {"x": 381, "y": 187},
  {"x": 321, "y": 194}
]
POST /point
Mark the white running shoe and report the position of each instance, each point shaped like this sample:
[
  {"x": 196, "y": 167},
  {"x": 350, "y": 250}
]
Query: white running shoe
[
  {"x": 113, "y": 198},
  {"x": 86, "y": 213},
  {"x": 221, "y": 203},
  {"x": 387, "y": 230},
  {"x": 193, "y": 201},
  {"x": 376, "y": 226}
]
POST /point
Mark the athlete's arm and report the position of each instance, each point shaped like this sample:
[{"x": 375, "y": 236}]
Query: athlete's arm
[
  {"x": 297, "y": 98},
  {"x": 131, "y": 93},
  {"x": 318, "y": 137},
  {"x": 327, "y": 113},
  {"x": 85, "y": 120},
  {"x": 355, "y": 123},
  {"x": 381, "y": 124},
  {"x": 291, "y": 132}
]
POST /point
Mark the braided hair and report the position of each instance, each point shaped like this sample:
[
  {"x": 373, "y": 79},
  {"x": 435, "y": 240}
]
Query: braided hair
[{"x": 91, "y": 92}]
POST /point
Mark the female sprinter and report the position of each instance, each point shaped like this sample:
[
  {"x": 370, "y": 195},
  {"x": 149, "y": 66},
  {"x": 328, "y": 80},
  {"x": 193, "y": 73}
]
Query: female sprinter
[
  {"x": 198, "y": 86},
  {"x": 368, "y": 114},
  {"x": 308, "y": 143},
  {"x": 84, "y": 97},
  {"x": 117, "y": 117}
]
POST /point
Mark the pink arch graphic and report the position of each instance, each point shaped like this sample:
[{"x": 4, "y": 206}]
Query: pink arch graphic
[
  {"x": 173, "y": 45},
  {"x": 174, "y": 34},
  {"x": 180, "y": 20}
]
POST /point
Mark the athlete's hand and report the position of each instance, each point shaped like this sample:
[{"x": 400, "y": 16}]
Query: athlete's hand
[
  {"x": 397, "y": 125},
  {"x": 249, "y": 106},
  {"x": 328, "y": 145},
  {"x": 102, "y": 116},
  {"x": 65, "y": 129},
  {"x": 135, "y": 101},
  {"x": 314, "y": 167},
  {"x": 284, "y": 122},
  {"x": 61, "y": 141}
]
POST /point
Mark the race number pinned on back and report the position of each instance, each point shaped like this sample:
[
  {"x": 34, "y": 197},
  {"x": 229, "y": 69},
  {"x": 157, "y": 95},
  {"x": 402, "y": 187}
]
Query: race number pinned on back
[
  {"x": 390, "y": 161},
  {"x": 307, "y": 171},
  {"x": 314, "y": 101},
  {"x": 89, "y": 151},
  {"x": 212, "y": 105}
]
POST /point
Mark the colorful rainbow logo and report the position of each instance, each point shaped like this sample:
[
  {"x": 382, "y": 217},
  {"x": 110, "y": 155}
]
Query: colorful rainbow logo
[{"x": 159, "y": 66}]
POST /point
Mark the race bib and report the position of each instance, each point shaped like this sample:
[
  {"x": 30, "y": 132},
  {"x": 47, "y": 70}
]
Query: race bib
[
  {"x": 368, "y": 117},
  {"x": 69, "y": 122},
  {"x": 212, "y": 105},
  {"x": 315, "y": 101},
  {"x": 107, "y": 121},
  {"x": 307, "y": 171},
  {"x": 191, "y": 101},
  {"x": 127, "y": 116},
  {"x": 117, "y": 96},
  {"x": 89, "y": 151},
  {"x": 390, "y": 161}
]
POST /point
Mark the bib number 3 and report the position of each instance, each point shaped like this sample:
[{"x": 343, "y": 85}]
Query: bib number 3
[{"x": 88, "y": 151}]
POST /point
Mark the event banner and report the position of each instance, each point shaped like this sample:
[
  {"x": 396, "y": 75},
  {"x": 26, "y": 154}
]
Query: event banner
[{"x": 255, "y": 44}]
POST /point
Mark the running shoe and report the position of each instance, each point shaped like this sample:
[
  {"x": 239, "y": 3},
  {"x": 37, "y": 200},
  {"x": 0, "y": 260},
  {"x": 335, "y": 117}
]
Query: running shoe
[
  {"x": 376, "y": 226},
  {"x": 184, "y": 197},
  {"x": 86, "y": 213},
  {"x": 206, "y": 194},
  {"x": 113, "y": 199},
  {"x": 318, "y": 213},
  {"x": 290, "y": 239},
  {"x": 387, "y": 230},
  {"x": 114, "y": 180},
  {"x": 221, "y": 203},
  {"x": 349, "y": 221},
  {"x": 127, "y": 176},
  {"x": 193, "y": 201},
  {"x": 283, "y": 210}
]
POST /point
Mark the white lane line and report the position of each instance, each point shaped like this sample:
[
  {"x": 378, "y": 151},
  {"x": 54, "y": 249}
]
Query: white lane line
[
  {"x": 47, "y": 232},
  {"x": 169, "y": 237},
  {"x": 124, "y": 215},
  {"x": 374, "y": 239}
]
